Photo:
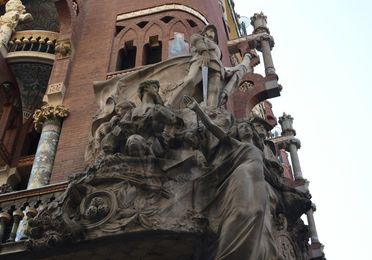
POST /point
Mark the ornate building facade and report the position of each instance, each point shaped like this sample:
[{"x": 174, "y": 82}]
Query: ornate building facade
[{"x": 108, "y": 140}]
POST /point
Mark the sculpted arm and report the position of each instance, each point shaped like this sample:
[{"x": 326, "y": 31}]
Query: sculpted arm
[{"x": 209, "y": 124}]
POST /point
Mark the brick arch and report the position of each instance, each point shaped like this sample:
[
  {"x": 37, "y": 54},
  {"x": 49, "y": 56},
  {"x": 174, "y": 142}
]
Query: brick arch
[
  {"x": 152, "y": 29},
  {"x": 128, "y": 33},
  {"x": 179, "y": 26}
]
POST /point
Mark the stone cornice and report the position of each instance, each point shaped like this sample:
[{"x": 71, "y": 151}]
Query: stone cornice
[
  {"x": 162, "y": 8},
  {"x": 25, "y": 194}
]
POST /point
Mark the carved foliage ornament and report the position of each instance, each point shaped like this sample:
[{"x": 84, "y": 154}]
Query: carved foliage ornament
[
  {"x": 48, "y": 112},
  {"x": 63, "y": 48}
]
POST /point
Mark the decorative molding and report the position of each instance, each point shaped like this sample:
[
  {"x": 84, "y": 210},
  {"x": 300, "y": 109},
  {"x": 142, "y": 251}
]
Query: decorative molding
[
  {"x": 63, "y": 48},
  {"x": 55, "y": 93},
  {"x": 30, "y": 56},
  {"x": 25, "y": 194},
  {"x": 162, "y": 8}
]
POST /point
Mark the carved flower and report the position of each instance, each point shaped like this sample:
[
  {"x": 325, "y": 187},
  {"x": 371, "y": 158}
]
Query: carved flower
[{"x": 97, "y": 209}]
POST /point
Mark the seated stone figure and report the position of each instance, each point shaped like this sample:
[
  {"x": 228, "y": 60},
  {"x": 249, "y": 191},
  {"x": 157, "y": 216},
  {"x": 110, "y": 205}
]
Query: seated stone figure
[
  {"x": 151, "y": 117},
  {"x": 120, "y": 128}
]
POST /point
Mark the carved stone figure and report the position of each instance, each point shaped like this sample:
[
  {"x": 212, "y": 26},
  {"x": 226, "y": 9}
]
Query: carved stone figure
[
  {"x": 206, "y": 56},
  {"x": 120, "y": 128},
  {"x": 15, "y": 12},
  {"x": 236, "y": 180},
  {"x": 206, "y": 67}
]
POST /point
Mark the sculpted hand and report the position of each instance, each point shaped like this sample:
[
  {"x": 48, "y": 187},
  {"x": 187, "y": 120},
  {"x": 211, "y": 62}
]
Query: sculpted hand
[
  {"x": 205, "y": 58},
  {"x": 222, "y": 99},
  {"x": 189, "y": 102}
]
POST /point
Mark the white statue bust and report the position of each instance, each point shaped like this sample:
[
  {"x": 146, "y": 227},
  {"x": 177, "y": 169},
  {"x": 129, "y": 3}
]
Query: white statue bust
[{"x": 15, "y": 12}]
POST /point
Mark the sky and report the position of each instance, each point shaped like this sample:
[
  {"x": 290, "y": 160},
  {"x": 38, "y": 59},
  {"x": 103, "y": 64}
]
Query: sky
[{"x": 322, "y": 56}]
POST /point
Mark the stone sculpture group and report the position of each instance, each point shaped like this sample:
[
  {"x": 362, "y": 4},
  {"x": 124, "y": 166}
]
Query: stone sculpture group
[{"x": 190, "y": 167}]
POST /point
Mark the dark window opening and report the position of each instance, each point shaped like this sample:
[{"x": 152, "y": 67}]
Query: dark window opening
[
  {"x": 23, "y": 177},
  {"x": 167, "y": 19},
  {"x": 152, "y": 51},
  {"x": 127, "y": 56},
  {"x": 192, "y": 23},
  {"x": 30, "y": 144},
  {"x": 119, "y": 28},
  {"x": 142, "y": 24}
]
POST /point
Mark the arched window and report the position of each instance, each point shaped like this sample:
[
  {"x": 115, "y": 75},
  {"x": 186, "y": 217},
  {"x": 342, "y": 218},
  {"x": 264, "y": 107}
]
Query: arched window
[
  {"x": 152, "y": 51},
  {"x": 127, "y": 56}
]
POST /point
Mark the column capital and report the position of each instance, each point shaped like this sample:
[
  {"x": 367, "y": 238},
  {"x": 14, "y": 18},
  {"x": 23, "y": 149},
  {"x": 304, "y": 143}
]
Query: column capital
[
  {"x": 48, "y": 112},
  {"x": 288, "y": 142},
  {"x": 286, "y": 122},
  {"x": 18, "y": 214},
  {"x": 296, "y": 142},
  {"x": 5, "y": 216},
  {"x": 259, "y": 23}
]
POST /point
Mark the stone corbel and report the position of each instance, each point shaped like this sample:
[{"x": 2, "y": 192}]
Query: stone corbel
[
  {"x": 55, "y": 94},
  {"x": 48, "y": 112},
  {"x": 63, "y": 49}
]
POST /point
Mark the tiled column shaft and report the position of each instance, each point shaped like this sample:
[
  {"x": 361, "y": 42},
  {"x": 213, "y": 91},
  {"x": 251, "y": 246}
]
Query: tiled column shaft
[
  {"x": 23, "y": 228},
  {"x": 17, "y": 216},
  {"x": 49, "y": 119},
  {"x": 4, "y": 218}
]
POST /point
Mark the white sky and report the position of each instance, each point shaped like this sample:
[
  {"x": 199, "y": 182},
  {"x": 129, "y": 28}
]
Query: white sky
[{"x": 323, "y": 56}]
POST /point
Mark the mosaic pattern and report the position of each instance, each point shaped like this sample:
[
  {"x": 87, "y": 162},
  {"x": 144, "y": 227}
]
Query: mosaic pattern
[
  {"x": 45, "y": 154},
  {"x": 32, "y": 79},
  {"x": 44, "y": 13}
]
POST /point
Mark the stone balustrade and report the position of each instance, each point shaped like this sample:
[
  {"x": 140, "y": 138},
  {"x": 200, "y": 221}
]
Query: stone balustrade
[
  {"x": 18, "y": 208},
  {"x": 33, "y": 40}
]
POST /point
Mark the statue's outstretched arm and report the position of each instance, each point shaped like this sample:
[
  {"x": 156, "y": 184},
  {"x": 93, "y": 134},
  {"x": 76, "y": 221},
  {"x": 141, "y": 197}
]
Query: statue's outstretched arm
[{"x": 208, "y": 123}]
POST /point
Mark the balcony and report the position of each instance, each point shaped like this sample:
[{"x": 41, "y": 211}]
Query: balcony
[
  {"x": 30, "y": 56},
  {"x": 17, "y": 209},
  {"x": 32, "y": 46}
]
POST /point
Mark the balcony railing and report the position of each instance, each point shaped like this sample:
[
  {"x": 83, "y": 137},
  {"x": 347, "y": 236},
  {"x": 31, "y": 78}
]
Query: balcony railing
[
  {"x": 32, "y": 46},
  {"x": 18, "y": 208},
  {"x": 39, "y": 41}
]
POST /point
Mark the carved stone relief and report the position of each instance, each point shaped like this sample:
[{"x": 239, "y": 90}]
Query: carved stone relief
[{"x": 189, "y": 169}]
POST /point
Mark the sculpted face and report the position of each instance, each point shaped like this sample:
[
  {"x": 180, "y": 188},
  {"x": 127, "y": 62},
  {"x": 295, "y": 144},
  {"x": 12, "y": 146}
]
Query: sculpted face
[
  {"x": 245, "y": 130},
  {"x": 192, "y": 139},
  {"x": 210, "y": 34},
  {"x": 123, "y": 108}
]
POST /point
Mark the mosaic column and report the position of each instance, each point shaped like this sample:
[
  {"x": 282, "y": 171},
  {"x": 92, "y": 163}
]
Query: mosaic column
[
  {"x": 265, "y": 43},
  {"x": 17, "y": 216},
  {"x": 48, "y": 120},
  {"x": 23, "y": 228},
  {"x": 4, "y": 218}
]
